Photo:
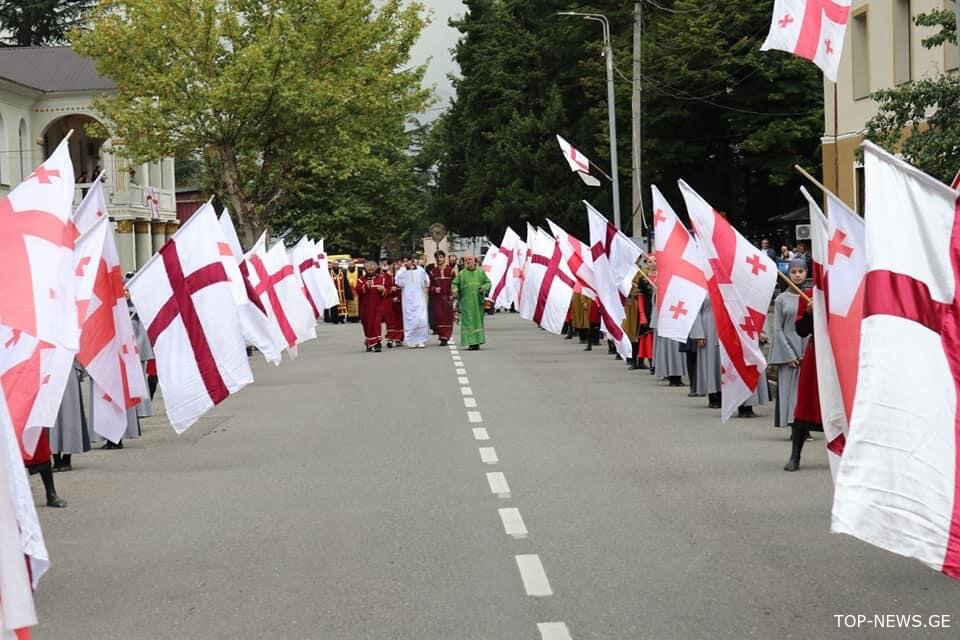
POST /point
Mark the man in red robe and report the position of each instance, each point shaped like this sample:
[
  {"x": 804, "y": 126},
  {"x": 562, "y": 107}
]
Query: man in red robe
[
  {"x": 372, "y": 288},
  {"x": 393, "y": 309},
  {"x": 440, "y": 278}
]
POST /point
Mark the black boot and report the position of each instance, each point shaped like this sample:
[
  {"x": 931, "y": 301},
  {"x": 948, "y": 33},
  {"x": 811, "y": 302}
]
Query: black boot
[
  {"x": 713, "y": 400},
  {"x": 675, "y": 381},
  {"x": 632, "y": 362},
  {"x": 53, "y": 500},
  {"x": 745, "y": 412},
  {"x": 566, "y": 331},
  {"x": 377, "y": 348},
  {"x": 61, "y": 462},
  {"x": 152, "y": 384},
  {"x": 611, "y": 349},
  {"x": 589, "y": 346},
  {"x": 798, "y": 435}
]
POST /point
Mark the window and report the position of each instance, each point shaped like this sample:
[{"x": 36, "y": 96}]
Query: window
[
  {"x": 901, "y": 42},
  {"x": 861, "y": 55},
  {"x": 24, "y": 146},
  {"x": 860, "y": 178}
]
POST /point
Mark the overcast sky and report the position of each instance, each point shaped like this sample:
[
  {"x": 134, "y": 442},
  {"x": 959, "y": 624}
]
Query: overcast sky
[{"x": 435, "y": 45}]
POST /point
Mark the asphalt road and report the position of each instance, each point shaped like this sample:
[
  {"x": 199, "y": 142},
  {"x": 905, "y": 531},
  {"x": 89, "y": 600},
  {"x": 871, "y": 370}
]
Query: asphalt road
[{"x": 345, "y": 496}]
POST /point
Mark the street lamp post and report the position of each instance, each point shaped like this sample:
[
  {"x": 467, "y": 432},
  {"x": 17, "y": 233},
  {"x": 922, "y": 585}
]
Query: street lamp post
[{"x": 611, "y": 105}]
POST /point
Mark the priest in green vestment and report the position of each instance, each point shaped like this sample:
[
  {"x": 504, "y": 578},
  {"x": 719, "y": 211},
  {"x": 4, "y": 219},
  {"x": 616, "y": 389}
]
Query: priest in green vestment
[{"x": 469, "y": 287}]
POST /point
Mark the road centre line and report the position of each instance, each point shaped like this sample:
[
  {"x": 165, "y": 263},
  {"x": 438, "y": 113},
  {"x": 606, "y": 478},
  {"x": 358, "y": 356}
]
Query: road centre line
[
  {"x": 470, "y": 403},
  {"x": 513, "y": 524},
  {"x": 488, "y": 455},
  {"x": 474, "y": 416},
  {"x": 467, "y": 391},
  {"x": 534, "y": 577},
  {"x": 498, "y": 484},
  {"x": 463, "y": 380},
  {"x": 480, "y": 434},
  {"x": 461, "y": 372},
  {"x": 553, "y": 631}
]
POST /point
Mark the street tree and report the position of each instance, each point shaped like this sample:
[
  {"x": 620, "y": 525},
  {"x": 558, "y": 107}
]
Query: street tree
[{"x": 40, "y": 23}]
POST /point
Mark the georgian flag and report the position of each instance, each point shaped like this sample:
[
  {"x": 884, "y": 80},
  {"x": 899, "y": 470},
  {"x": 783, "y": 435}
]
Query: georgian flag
[
  {"x": 811, "y": 29},
  {"x": 578, "y": 162},
  {"x": 740, "y": 281},
  {"x": 681, "y": 283},
  {"x": 897, "y": 487}
]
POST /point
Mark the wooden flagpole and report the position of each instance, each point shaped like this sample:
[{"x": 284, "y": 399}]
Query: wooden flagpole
[{"x": 795, "y": 288}]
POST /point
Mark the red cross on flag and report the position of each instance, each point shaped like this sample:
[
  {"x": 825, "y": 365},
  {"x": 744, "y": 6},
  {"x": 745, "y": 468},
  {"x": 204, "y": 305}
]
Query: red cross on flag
[
  {"x": 277, "y": 286},
  {"x": 183, "y": 297},
  {"x": 257, "y": 328},
  {"x": 92, "y": 208},
  {"x": 487, "y": 263},
  {"x": 811, "y": 29},
  {"x": 303, "y": 257},
  {"x": 740, "y": 282},
  {"x": 897, "y": 486},
  {"x": 578, "y": 258},
  {"x": 839, "y": 265},
  {"x": 502, "y": 267},
  {"x": 525, "y": 307},
  {"x": 548, "y": 285},
  {"x": 615, "y": 259},
  {"x": 681, "y": 283},
  {"x": 578, "y": 162},
  {"x": 108, "y": 348}
]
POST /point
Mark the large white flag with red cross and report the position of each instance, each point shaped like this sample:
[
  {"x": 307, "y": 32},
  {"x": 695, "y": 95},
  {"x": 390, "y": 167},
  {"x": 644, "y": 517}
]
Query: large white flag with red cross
[
  {"x": 811, "y": 29},
  {"x": 578, "y": 257},
  {"x": 278, "y": 287},
  {"x": 615, "y": 259},
  {"x": 681, "y": 281},
  {"x": 257, "y": 328},
  {"x": 304, "y": 259},
  {"x": 897, "y": 487},
  {"x": 328, "y": 289},
  {"x": 548, "y": 285},
  {"x": 502, "y": 264},
  {"x": 183, "y": 297},
  {"x": 740, "y": 282}
]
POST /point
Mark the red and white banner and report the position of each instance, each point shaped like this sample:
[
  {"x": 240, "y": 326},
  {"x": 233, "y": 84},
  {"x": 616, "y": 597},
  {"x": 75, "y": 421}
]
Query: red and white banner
[
  {"x": 681, "y": 281},
  {"x": 278, "y": 287},
  {"x": 327, "y": 287},
  {"x": 741, "y": 280},
  {"x": 184, "y": 300},
  {"x": 615, "y": 258},
  {"x": 488, "y": 258},
  {"x": 525, "y": 309},
  {"x": 811, "y": 29},
  {"x": 304, "y": 259},
  {"x": 548, "y": 285},
  {"x": 897, "y": 487},
  {"x": 578, "y": 162},
  {"x": 578, "y": 258},
  {"x": 255, "y": 325},
  {"x": 92, "y": 208}
]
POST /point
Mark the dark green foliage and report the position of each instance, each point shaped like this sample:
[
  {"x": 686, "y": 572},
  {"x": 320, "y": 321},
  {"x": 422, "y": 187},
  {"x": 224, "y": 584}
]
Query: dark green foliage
[{"x": 36, "y": 23}]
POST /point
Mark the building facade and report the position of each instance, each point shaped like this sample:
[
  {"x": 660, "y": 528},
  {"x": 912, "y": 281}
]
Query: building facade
[
  {"x": 44, "y": 93},
  {"x": 882, "y": 49}
]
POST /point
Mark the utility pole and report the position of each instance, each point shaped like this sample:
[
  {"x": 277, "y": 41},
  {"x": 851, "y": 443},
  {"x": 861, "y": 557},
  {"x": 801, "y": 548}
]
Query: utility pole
[
  {"x": 637, "y": 121},
  {"x": 956, "y": 8}
]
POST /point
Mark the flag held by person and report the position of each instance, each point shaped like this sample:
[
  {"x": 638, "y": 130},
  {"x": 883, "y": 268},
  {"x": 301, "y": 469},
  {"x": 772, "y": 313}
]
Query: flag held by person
[
  {"x": 811, "y": 29},
  {"x": 548, "y": 285},
  {"x": 183, "y": 297},
  {"x": 578, "y": 258},
  {"x": 897, "y": 486},
  {"x": 578, "y": 162},
  {"x": 681, "y": 283},
  {"x": 615, "y": 258},
  {"x": 740, "y": 282}
]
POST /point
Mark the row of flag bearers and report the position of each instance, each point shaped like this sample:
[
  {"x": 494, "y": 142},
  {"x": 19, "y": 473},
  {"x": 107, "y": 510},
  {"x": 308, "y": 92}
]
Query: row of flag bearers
[
  {"x": 192, "y": 311},
  {"x": 881, "y": 289}
]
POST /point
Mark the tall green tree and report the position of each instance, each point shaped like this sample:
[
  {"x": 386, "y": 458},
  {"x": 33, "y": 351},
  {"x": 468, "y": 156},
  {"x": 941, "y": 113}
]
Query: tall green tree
[
  {"x": 928, "y": 110},
  {"x": 274, "y": 96},
  {"x": 717, "y": 111},
  {"x": 36, "y": 23}
]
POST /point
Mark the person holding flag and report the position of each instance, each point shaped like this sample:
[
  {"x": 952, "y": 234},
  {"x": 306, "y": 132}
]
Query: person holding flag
[{"x": 786, "y": 350}]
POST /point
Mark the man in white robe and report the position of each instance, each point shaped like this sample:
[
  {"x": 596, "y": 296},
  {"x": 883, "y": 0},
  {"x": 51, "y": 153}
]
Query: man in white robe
[{"x": 414, "y": 282}]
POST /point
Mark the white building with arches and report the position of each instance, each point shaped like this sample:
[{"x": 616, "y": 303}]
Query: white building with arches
[{"x": 45, "y": 92}]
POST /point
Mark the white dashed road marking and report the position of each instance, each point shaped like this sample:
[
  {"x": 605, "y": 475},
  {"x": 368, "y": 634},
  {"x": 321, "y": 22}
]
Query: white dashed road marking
[
  {"x": 489, "y": 455},
  {"x": 534, "y": 577},
  {"x": 470, "y": 403},
  {"x": 461, "y": 372},
  {"x": 513, "y": 523},
  {"x": 467, "y": 391},
  {"x": 474, "y": 416},
  {"x": 463, "y": 380},
  {"x": 480, "y": 434},
  {"x": 553, "y": 631},
  {"x": 498, "y": 485}
]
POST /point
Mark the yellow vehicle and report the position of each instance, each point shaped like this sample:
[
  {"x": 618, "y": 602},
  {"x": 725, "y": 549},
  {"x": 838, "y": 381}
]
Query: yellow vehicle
[{"x": 343, "y": 259}]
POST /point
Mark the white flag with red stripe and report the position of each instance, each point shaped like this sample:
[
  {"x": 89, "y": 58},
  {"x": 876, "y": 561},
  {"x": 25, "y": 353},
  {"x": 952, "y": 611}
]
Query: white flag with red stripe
[
  {"x": 92, "y": 208},
  {"x": 278, "y": 287},
  {"x": 615, "y": 259},
  {"x": 108, "y": 348},
  {"x": 184, "y": 300},
  {"x": 503, "y": 265},
  {"x": 257, "y": 328},
  {"x": 304, "y": 259},
  {"x": 488, "y": 259},
  {"x": 525, "y": 308},
  {"x": 328, "y": 288},
  {"x": 897, "y": 487},
  {"x": 548, "y": 285},
  {"x": 578, "y": 257},
  {"x": 681, "y": 281},
  {"x": 811, "y": 29},
  {"x": 578, "y": 162},
  {"x": 740, "y": 282}
]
